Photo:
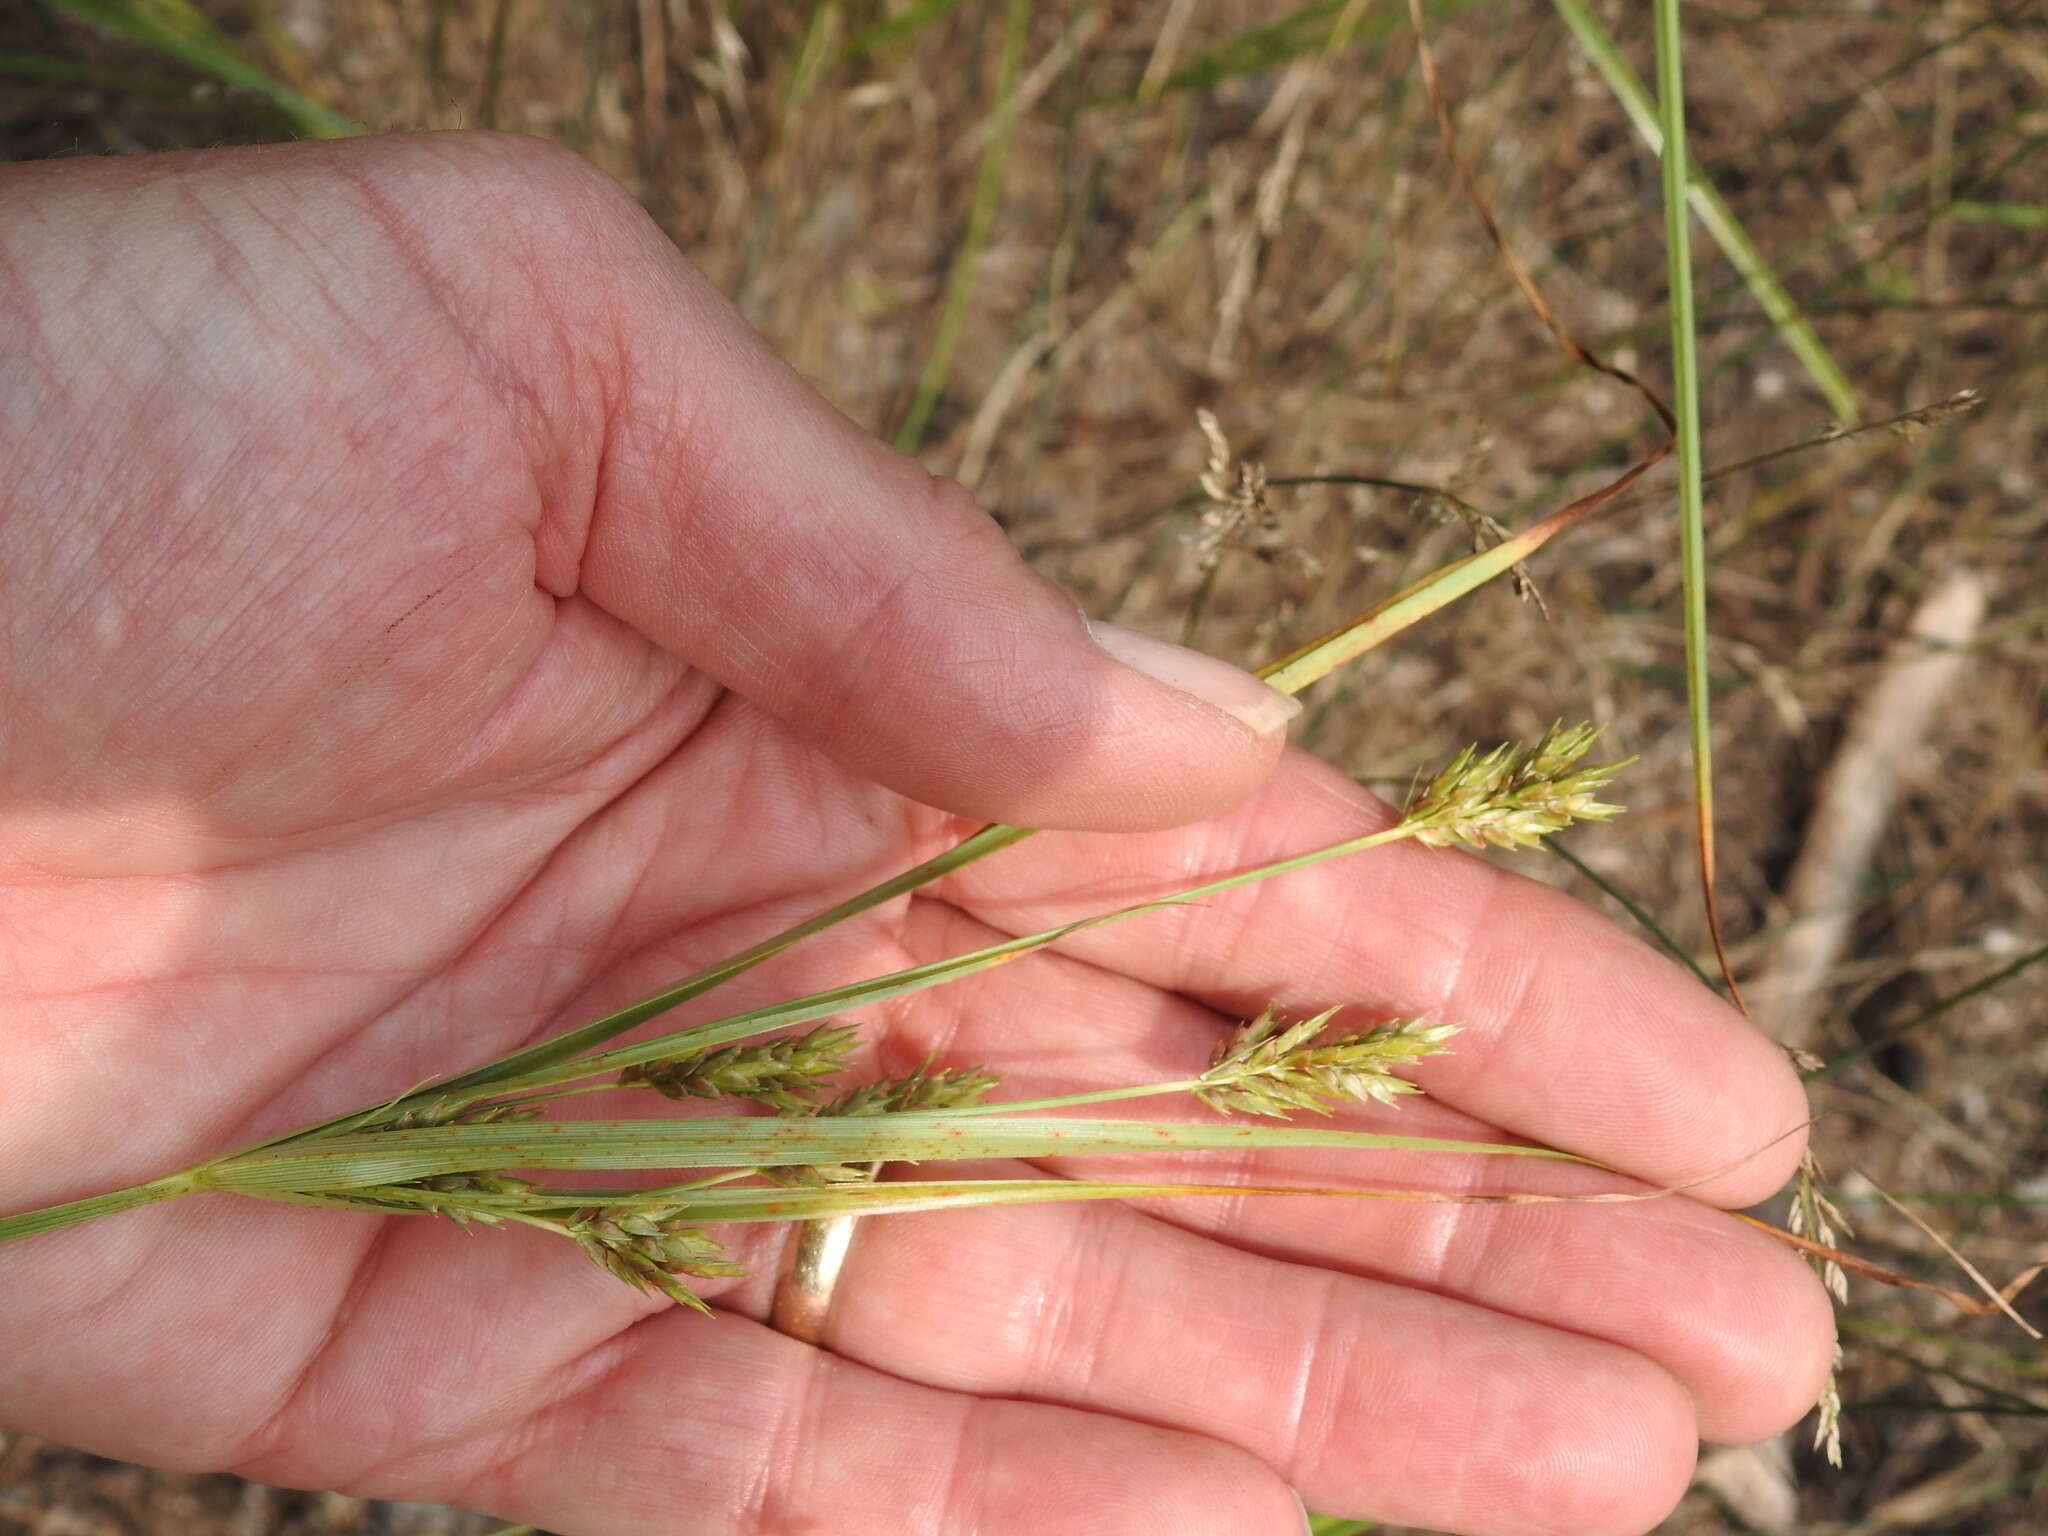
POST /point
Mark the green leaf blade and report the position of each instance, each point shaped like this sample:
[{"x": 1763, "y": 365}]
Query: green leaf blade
[{"x": 372, "y": 1158}]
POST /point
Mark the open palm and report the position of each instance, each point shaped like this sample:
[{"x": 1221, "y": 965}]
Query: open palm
[{"x": 427, "y": 618}]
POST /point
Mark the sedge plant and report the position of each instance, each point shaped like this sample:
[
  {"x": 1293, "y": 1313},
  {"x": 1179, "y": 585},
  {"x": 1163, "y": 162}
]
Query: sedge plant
[{"x": 469, "y": 1148}]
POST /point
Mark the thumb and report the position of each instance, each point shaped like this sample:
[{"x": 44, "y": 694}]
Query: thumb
[{"x": 749, "y": 528}]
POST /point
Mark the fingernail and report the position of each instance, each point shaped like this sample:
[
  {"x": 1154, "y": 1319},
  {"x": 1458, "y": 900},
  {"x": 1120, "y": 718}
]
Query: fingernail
[
  {"x": 1308, "y": 1526},
  {"x": 1237, "y": 693}
]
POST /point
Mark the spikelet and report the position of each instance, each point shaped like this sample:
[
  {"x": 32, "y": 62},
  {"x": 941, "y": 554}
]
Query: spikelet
[
  {"x": 1513, "y": 796},
  {"x": 648, "y": 1249},
  {"x": 1270, "y": 1069},
  {"x": 784, "y": 1073},
  {"x": 916, "y": 1091}
]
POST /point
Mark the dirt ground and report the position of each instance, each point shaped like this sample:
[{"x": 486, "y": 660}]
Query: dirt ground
[{"x": 1245, "y": 207}]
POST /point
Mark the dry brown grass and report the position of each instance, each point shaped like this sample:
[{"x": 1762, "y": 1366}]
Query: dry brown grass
[{"x": 1287, "y": 247}]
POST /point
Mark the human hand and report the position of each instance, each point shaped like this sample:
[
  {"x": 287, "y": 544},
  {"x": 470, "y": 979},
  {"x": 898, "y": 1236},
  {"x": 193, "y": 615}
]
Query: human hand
[{"x": 428, "y": 618}]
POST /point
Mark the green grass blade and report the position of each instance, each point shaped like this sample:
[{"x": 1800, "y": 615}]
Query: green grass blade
[
  {"x": 835, "y": 1000},
  {"x": 2010, "y": 215},
  {"x": 1295, "y": 34},
  {"x": 574, "y": 1042},
  {"x": 1692, "y": 519},
  {"x": 367, "y": 1159},
  {"x": 981, "y": 216},
  {"x": 54, "y": 1217},
  {"x": 812, "y": 60},
  {"x": 1263, "y": 48},
  {"x": 179, "y": 32},
  {"x": 1715, "y": 214},
  {"x": 907, "y": 22},
  {"x": 1289, "y": 674},
  {"x": 756, "y": 1203},
  {"x": 1439, "y": 589},
  {"x": 807, "y": 1009},
  {"x": 1634, "y": 909},
  {"x": 58, "y": 71}
]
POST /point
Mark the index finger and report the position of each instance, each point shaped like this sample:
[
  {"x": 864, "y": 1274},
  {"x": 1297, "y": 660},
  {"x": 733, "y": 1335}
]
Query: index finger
[{"x": 1573, "y": 1033}]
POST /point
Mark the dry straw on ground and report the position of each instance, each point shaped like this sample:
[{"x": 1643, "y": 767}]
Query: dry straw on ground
[{"x": 1191, "y": 211}]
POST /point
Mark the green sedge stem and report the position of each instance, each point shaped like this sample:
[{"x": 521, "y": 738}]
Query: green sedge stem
[
  {"x": 1685, "y": 401},
  {"x": 52, "y": 1218},
  {"x": 760, "y": 1021},
  {"x": 383, "y": 1159},
  {"x": 1290, "y": 674},
  {"x": 706, "y": 1183},
  {"x": 1072, "y": 1100},
  {"x": 822, "y": 1004},
  {"x": 490, "y": 1080},
  {"x": 573, "y": 1042},
  {"x": 549, "y": 1062}
]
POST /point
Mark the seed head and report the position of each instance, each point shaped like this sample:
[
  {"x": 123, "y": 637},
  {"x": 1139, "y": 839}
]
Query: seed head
[
  {"x": 456, "y": 1110},
  {"x": 784, "y": 1073},
  {"x": 1814, "y": 1215},
  {"x": 1270, "y": 1069},
  {"x": 478, "y": 1183},
  {"x": 1827, "y": 1424},
  {"x": 1238, "y": 515},
  {"x": 1513, "y": 796},
  {"x": 648, "y": 1248},
  {"x": 914, "y": 1092}
]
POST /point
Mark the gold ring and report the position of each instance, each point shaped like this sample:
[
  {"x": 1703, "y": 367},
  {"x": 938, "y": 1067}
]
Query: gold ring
[{"x": 810, "y": 1270}]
